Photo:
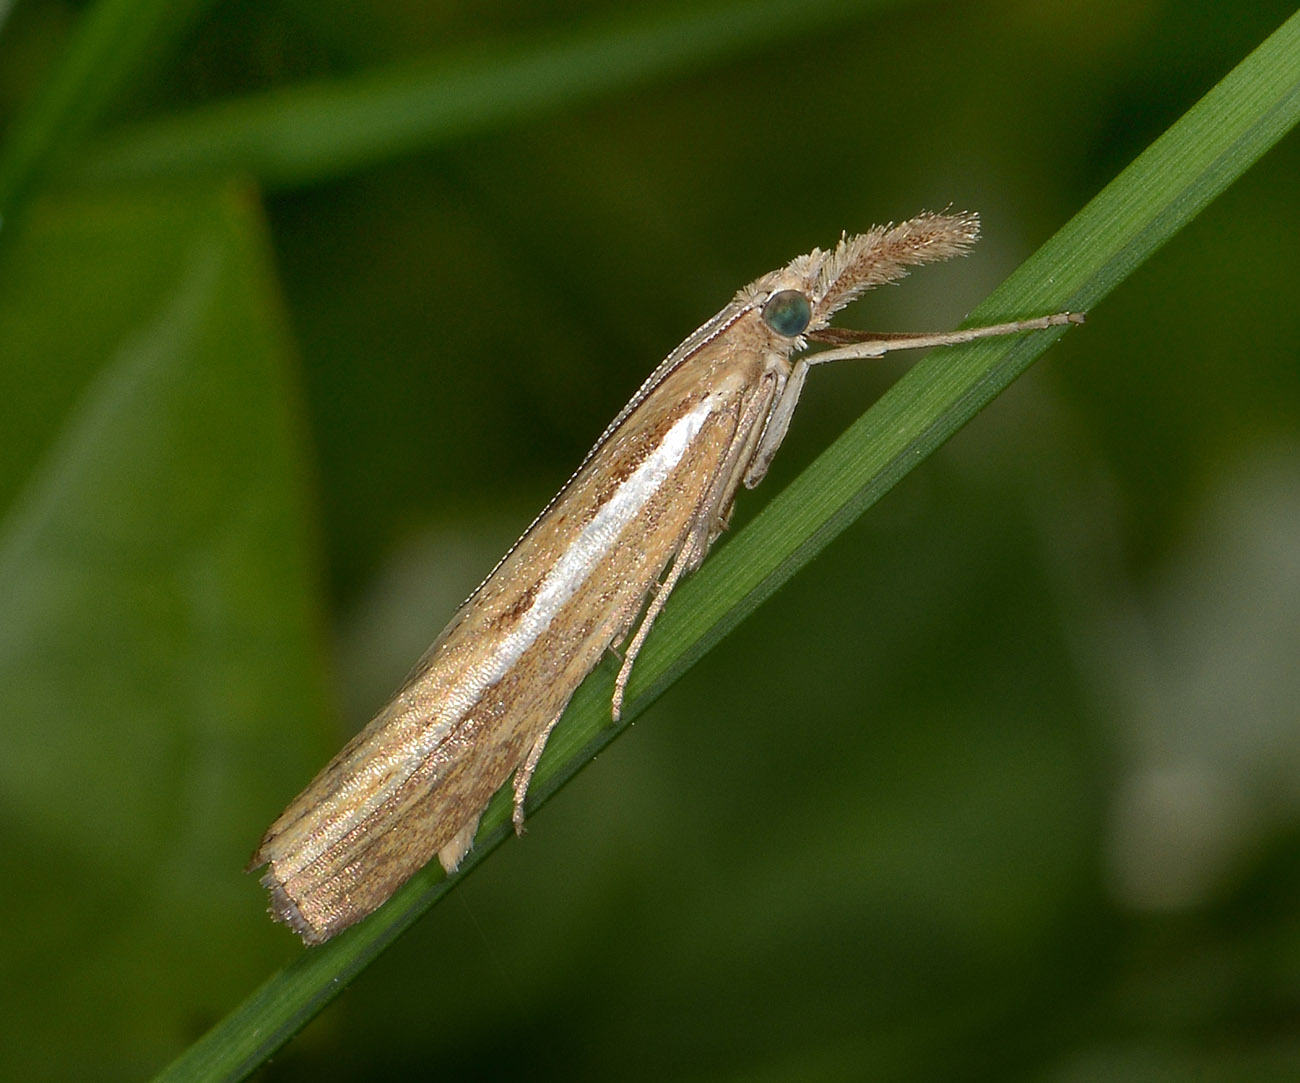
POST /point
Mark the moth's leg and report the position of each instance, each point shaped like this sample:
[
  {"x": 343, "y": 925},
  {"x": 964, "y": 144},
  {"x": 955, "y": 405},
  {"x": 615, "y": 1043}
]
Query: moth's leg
[
  {"x": 691, "y": 554},
  {"x": 857, "y": 345},
  {"x": 711, "y": 514},
  {"x": 778, "y": 424},
  {"x": 453, "y": 852},
  {"x": 525, "y": 773},
  {"x": 723, "y": 520}
]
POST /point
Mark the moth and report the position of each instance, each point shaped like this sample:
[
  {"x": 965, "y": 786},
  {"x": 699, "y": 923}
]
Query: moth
[{"x": 601, "y": 560}]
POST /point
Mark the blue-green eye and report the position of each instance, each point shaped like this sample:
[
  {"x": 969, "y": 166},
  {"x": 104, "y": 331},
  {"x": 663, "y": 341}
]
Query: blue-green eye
[{"x": 787, "y": 313}]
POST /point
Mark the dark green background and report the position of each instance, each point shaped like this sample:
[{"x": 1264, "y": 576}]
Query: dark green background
[{"x": 1005, "y": 785}]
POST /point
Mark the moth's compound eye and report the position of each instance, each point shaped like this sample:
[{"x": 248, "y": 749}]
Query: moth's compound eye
[{"x": 787, "y": 312}]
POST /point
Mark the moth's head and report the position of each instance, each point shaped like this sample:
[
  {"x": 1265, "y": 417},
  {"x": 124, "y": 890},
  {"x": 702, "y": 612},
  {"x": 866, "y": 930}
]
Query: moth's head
[{"x": 801, "y": 297}]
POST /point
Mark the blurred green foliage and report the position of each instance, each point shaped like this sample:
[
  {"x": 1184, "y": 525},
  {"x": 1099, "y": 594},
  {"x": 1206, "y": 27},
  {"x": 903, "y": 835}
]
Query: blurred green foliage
[{"x": 1002, "y": 786}]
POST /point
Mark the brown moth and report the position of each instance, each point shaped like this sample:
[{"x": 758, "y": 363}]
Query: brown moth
[{"x": 641, "y": 512}]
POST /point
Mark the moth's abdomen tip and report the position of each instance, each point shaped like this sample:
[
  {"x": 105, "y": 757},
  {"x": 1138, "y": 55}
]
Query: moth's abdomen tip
[{"x": 286, "y": 911}]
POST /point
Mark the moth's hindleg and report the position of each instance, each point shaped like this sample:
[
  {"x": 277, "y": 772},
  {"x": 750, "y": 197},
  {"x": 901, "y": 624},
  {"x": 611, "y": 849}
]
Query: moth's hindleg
[
  {"x": 525, "y": 773},
  {"x": 451, "y": 855}
]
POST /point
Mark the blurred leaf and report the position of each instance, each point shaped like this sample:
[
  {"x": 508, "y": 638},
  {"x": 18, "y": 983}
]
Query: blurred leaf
[
  {"x": 158, "y": 608},
  {"x": 312, "y": 131},
  {"x": 113, "y": 41}
]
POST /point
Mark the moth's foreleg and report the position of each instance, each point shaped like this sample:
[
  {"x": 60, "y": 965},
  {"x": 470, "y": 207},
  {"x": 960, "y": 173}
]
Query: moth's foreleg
[{"x": 777, "y": 425}]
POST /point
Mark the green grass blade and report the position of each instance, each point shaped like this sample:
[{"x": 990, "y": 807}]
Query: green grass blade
[
  {"x": 112, "y": 42},
  {"x": 1147, "y": 204},
  {"x": 311, "y": 131}
]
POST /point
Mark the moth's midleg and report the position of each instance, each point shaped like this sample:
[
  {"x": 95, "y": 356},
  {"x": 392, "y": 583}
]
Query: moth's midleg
[
  {"x": 692, "y": 549},
  {"x": 703, "y": 528}
]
